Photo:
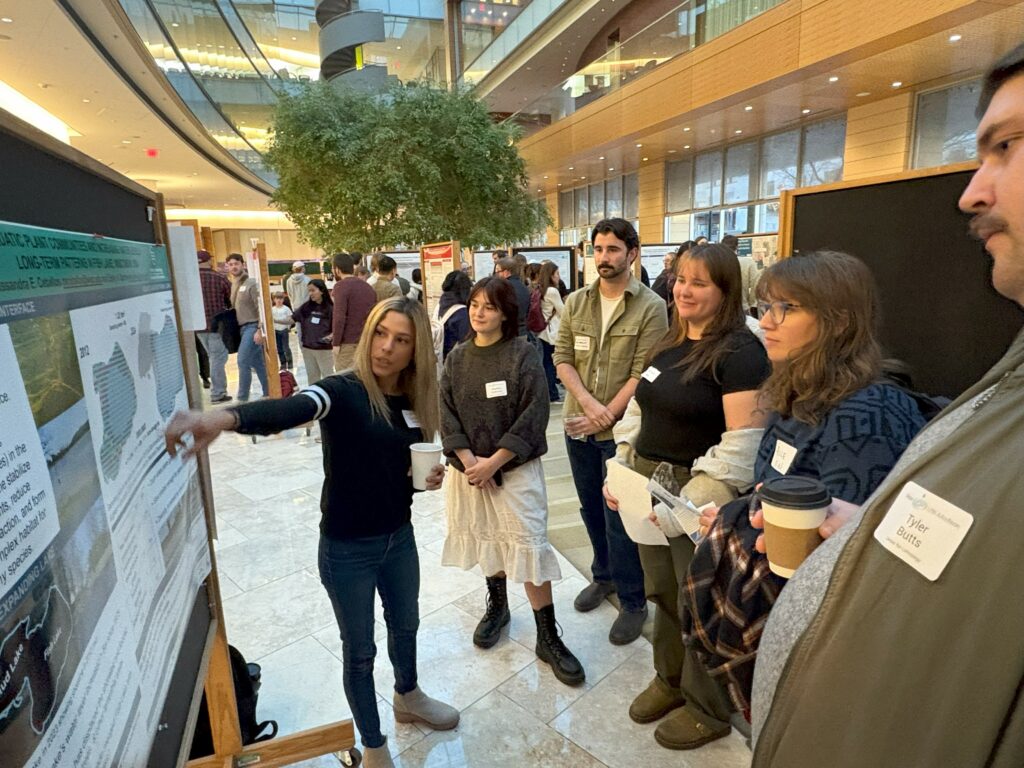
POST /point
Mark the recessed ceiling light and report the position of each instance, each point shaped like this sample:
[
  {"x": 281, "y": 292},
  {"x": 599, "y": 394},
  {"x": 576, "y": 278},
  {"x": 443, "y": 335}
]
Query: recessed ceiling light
[
  {"x": 559, "y": 185},
  {"x": 645, "y": 159},
  {"x": 398, "y": 47},
  {"x": 671, "y": 151},
  {"x": 7, "y": 20},
  {"x": 175, "y": 24},
  {"x": 583, "y": 178},
  {"x": 897, "y": 83},
  {"x": 545, "y": 177},
  {"x": 686, "y": 146},
  {"x": 126, "y": 141},
  {"x": 805, "y": 111},
  {"x": 572, "y": 167},
  {"x": 601, "y": 157},
  {"x": 611, "y": 169},
  {"x": 685, "y": 130},
  {"x": 748, "y": 108},
  {"x": 85, "y": 101},
  {"x": 864, "y": 93},
  {"x": 639, "y": 145},
  {"x": 834, "y": 79},
  {"x": 955, "y": 38},
  {"x": 738, "y": 131}
]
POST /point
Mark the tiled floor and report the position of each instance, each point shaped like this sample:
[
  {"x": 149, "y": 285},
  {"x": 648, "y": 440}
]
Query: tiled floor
[{"x": 514, "y": 712}]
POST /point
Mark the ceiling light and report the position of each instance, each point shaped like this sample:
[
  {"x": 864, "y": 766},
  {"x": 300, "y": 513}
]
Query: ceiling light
[
  {"x": 398, "y": 47},
  {"x": 685, "y": 130},
  {"x": 611, "y": 169},
  {"x": 601, "y": 157},
  {"x": 805, "y": 111},
  {"x": 583, "y": 178},
  {"x": 833, "y": 79},
  {"x": 545, "y": 177},
  {"x": 639, "y": 145},
  {"x": 748, "y": 108},
  {"x": 7, "y": 20},
  {"x": 955, "y": 38},
  {"x": 671, "y": 151},
  {"x": 126, "y": 141},
  {"x": 897, "y": 84},
  {"x": 175, "y": 24},
  {"x": 738, "y": 131},
  {"x": 85, "y": 101},
  {"x": 686, "y": 146},
  {"x": 645, "y": 159},
  {"x": 864, "y": 93}
]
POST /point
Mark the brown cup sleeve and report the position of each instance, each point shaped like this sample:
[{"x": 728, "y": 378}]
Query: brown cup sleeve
[{"x": 789, "y": 547}]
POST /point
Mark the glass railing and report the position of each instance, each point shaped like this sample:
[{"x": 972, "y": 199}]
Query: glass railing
[
  {"x": 682, "y": 29},
  {"x": 527, "y": 20}
]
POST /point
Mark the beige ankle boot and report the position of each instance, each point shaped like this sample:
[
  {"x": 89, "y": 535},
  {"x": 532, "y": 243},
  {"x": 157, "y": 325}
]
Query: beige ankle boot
[
  {"x": 377, "y": 757},
  {"x": 416, "y": 707}
]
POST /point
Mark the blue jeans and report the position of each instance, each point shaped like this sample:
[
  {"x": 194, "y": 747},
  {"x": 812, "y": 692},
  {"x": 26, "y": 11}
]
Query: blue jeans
[
  {"x": 218, "y": 355},
  {"x": 284, "y": 352},
  {"x": 250, "y": 358},
  {"x": 616, "y": 557},
  {"x": 547, "y": 350},
  {"x": 351, "y": 570}
]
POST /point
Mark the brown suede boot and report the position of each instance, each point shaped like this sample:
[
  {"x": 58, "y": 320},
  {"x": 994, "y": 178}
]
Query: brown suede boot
[
  {"x": 656, "y": 701},
  {"x": 689, "y": 728}
]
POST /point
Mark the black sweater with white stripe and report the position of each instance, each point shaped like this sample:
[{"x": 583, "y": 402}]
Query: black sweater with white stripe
[{"x": 367, "y": 488}]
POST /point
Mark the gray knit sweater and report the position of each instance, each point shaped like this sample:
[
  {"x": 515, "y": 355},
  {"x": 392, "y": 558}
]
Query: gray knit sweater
[{"x": 515, "y": 420}]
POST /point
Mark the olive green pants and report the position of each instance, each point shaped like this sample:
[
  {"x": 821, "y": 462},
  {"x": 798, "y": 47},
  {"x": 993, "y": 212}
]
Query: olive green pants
[{"x": 664, "y": 571}]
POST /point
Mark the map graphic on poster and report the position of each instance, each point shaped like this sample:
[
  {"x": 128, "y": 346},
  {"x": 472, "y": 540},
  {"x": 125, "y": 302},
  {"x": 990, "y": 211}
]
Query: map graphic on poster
[{"x": 103, "y": 544}]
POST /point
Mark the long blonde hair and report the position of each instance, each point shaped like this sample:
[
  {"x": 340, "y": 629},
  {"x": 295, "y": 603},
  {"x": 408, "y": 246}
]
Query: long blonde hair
[{"x": 418, "y": 381}]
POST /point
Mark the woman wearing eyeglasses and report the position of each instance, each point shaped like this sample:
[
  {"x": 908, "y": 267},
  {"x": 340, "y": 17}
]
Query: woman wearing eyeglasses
[{"x": 832, "y": 416}]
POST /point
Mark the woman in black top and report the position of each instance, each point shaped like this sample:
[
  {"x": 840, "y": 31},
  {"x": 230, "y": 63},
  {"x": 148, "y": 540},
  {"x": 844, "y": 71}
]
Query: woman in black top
[
  {"x": 451, "y": 309},
  {"x": 699, "y": 391},
  {"x": 369, "y": 418},
  {"x": 314, "y": 319}
]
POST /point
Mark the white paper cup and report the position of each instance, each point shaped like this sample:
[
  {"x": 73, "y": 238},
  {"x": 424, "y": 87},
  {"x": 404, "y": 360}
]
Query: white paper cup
[
  {"x": 794, "y": 508},
  {"x": 425, "y": 456}
]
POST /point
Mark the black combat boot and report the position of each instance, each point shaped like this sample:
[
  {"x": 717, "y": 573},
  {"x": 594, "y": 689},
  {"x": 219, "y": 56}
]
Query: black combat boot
[
  {"x": 551, "y": 650},
  {"x": 488, "y": 631}
]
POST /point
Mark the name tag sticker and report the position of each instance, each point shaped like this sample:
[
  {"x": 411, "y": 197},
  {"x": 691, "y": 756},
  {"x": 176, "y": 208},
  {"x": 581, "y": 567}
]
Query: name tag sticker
[
  {"x": 496, "y": 389},
  {"x": 651, "y": 373},
  {"x": 923, "y": 530},
  {"x": 315, "y": 320},
  {"x": 782, "y": 460},
  {"x": 243, "y": 288},
  {"x": 581, "y": 343},
  {"x": 410, "y": 419}
]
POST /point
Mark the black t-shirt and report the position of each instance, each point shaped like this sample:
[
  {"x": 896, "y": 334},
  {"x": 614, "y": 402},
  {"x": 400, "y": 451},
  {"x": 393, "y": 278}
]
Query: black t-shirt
[
  {"x": 367, "y": 488},
  {"x": 679, "y": 422}
]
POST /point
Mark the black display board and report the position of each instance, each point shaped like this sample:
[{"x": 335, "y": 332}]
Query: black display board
[
  {"x": 42, "y": 187},
  {"x": 940, "y": 314}
]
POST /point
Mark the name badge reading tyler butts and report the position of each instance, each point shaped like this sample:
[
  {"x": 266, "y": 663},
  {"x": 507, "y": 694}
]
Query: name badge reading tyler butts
[
  {"x": 923, "y": 530},
  {"x": 410, "y": 419},
  {"x": 581, "y": 343},
  {"x": 496, "y": 389},
  {"x": 782, "y": 460},
  {"x": 650, "y": 374}
]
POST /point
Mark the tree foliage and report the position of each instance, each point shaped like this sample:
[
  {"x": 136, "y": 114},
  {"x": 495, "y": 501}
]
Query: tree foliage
[{"x": 417, "y": 164}]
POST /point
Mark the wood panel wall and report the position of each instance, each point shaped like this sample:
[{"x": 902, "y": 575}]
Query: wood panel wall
[{"x": 878, "y": 137}]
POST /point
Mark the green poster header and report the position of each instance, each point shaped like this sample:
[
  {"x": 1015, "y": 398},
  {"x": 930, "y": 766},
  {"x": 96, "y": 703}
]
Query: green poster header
[{"x": 46, "y": 270}]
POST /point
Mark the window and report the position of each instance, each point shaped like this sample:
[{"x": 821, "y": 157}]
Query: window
[
  {"x": 677, "y": 228},
  {"x": 779, "y": 156},
  {"x": 707, "y": 180},
  {"x": 596, "y": 202},
  {"x": 679, "y": 186},
  {"x": 740, "y": 172},
  {"x": 582, "y": 206},
  {"x": 944, "y": 130},
  {"x": 823, "y": 153},
  {"x": 565, "y": 209},
  {"x": 613, "y": 198},
  {"x": 631, "y": 196}
]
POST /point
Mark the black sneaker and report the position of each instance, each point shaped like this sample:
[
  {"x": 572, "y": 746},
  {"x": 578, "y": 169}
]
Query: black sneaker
[
  {"x": 221, "y": 399},
  {"x": 206, "y": 383},
  {"x": 627, "y": 626},
  {"x": 593, "y": 595}
]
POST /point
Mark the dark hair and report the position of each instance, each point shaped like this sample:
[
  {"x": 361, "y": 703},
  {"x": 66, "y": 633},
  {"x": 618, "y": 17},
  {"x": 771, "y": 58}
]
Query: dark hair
[
  {"x": 499, "y": 254},
  {"x": 511, "y": 266},
  {"x": 344, "y": 263},
  {"x": 357, "y": 257},
  {"x": 713, "y": 346},
  {"x": 545, "y": 276},
  {"x": 417, "y": 275},
  {"x": 731, "y": 241},
  {"x": 322, "y": 286},
  {"x": 385, "y": 264},
  {"x": 621, "y": 228},
  {"x": 235, "y": 257},
  {"x": 458, "y": 283},
  {"x": 503, "y": 296},
  {"x": 845, "y": 357},
  {"x": 1009, "y": 66},
  {"x": 685, "y": 247}
]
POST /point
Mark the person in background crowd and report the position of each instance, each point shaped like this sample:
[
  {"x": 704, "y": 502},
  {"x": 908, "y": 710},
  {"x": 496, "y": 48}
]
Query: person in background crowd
[
  {"x": 367, "y": 543},
  {"x": 385, "y": 285},
  {"x": 497, "y": 256},
  {"x": 644, "y": 277},
  {"x": 464, "y": 266},
  {"x": 451, "y": 309},
  {"x": 493, "y": 419},
  {"x": 509, "y": 269},
  {"x": 363, "y": 273},
  {"x": 858, "y": 619},
  {"x": 551, "y": 307},
  {"x": 606, "y": 332},
  {"x": 416, "y": 286},
  {"x": 351, "y": 301},
  {"x": 532, "y": 271},
  {"x": 246, "y": 306},
  {"x": 282, "y": 327},
  {"x": 315, "y": 319},
  {"x": 698, "y": 412},
  {"x": 296, "y": 283},
  {"x": 216, "y": 292},
  {"x": 748, "y": 268},
  {"x": 374, "y": 264}
]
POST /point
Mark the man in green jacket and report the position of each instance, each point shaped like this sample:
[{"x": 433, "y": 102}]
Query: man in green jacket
[
  {"x": 605, "y": 333},
  {"x": 900, "y": 641}
]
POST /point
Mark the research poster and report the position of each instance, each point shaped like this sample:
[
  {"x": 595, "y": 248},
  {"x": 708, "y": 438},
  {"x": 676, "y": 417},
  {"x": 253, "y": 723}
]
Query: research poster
[
  {"x": 103, "y": 543},
  {"x": 438, "y": 259},
  {"x": 652, "y": 257},
  {"x": 560, "y": 256}
]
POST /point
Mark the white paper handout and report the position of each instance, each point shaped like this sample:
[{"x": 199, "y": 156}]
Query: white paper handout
[{"x": 630, "y": 488}]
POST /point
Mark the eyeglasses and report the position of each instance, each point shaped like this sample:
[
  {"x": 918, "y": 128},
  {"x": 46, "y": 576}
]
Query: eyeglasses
[{"x": 777, "y": 310}]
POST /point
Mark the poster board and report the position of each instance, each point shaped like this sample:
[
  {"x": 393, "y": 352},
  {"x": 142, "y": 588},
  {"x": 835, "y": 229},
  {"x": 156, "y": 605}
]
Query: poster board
[
  {"x": 436, "y": 261},
  {"x": 940, "y": 313},
  {"x": 407, "y": 261},
  {"x": 482, "y": 264},
  {"x": 652, "y": 257},
  {"x": 589, "y": 265},
  {"x": 764, "y": 248},
  {"x": 564, "y": 256}
]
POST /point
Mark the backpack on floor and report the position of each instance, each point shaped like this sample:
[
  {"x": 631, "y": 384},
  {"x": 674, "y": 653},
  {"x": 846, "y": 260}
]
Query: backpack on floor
[
  {"x": 247, "y": 687},
  {"x": 535, "y": 315},
  {"x": 288, "y": 384}
]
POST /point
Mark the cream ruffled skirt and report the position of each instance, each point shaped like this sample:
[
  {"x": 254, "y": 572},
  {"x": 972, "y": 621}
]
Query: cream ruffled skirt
[{"x": 501, "y": 530}]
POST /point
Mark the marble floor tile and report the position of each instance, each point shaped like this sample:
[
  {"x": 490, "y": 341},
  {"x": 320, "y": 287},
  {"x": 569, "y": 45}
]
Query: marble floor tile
[
  {"x": 450, "y": 667},
  {"x": 260, "y": 486},
  {"x": 228, "y": 588},
  {"x": 475, "y": 603},
  {"x": 269, "y": 555},
  {"x": 441, "y": 585},
  {"x": 599, "y": 723},
  {"x": 497, "y": 733},
  {"x": 277, "y": 614}
]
